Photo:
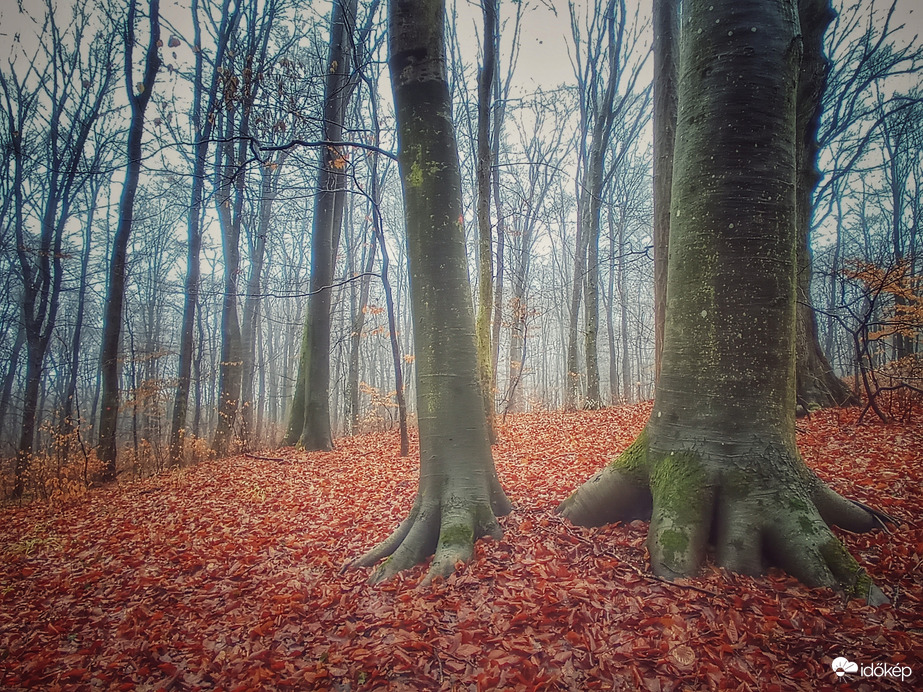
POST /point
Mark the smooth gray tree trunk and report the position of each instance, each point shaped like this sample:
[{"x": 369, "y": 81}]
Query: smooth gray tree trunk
[
  {"x": 718, "y": 457},
  {"x": 459, "y": 495}
]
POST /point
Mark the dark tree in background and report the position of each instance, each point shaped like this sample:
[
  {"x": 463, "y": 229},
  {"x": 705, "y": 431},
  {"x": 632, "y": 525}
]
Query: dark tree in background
[
  {"x": 139, "y": 95},
  {"x": 309, "y": 422},
  {"x": 49, "y": 122},
  {"x": 459, "y": 495},
  {"x": 666, "y": 33},
  {"x": 817, "y": 385},
  {"x": 204, "y": 99},
  {"x": 718, "y": 456}
]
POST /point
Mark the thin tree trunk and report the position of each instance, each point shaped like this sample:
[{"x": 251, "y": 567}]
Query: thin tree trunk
[
  {"x": 68, "y": 419},
  {"x": 396, "y": 361},
  {"x": 230, "y": 367},
  {"x": 252, "y": 301},
  {"x": 614, "y": 393},
  {"x": 203, "y": 127},
  {"x": 486, "y": 79},
  {"x": 666, "y": 34},
  {"x": 623, "y": 309},
  {"x": 500, "y": 269},
  {"x": 11, "y": 372},
  {"x": 115, "y": 298},
  {"x": 355, "y": 337}
]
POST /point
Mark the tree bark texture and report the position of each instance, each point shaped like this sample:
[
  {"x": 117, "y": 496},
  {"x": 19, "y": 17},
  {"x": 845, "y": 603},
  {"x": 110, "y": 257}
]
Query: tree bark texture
[
  {"x": 459, "y": 494},
  {"x": 718, "y": 457}
]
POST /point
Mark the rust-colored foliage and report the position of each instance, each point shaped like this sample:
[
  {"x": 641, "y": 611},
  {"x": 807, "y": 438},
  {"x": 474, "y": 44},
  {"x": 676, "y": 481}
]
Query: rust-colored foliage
[
  {"x": 893, "y": 311},
  {"x": 226, "y": 576},
  {"x": 904, "y": 315}
]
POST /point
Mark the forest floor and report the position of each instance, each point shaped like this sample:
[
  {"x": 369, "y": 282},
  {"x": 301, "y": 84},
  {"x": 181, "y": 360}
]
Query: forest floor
[{"x": 227, "y": 576}]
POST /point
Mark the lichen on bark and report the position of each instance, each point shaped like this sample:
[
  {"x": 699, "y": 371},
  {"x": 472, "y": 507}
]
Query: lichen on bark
[
  {"x": 459, "y": 495},
  {"x": 718, "y": 461}
]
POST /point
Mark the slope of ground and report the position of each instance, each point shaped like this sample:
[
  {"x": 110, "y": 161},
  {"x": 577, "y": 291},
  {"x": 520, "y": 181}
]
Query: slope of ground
[{"x": 226, "y": 576}]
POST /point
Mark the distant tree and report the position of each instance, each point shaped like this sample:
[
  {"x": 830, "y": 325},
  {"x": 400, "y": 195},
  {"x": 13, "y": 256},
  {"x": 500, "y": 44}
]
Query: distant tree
[
  {"x": 459, "y": 495},
  {"x": 309, "y": 421},
  {"x": 240, "y": 85},
  {"x": 543, "y": 145},
  {"x": 718, "y": 456},
  {"x": 139, "y": 95},
  {"x": 869, "y": 57},
  {"x": 204, "y": 99},
  {"x": 607, "y": 77}
]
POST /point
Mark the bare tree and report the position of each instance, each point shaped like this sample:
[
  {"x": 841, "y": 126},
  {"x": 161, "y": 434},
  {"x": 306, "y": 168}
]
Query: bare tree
[
  {"x": 43, "y": 109},
  {"x": 459, "y": 494},
  {"x": 139, "y": 95},
  {"x": 204, "y": 102},
  {"x": 614, "y": 40}
]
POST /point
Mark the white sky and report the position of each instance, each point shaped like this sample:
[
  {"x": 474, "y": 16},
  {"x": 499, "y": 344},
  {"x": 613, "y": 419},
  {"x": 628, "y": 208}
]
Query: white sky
[{"x": 543, "y": 54}]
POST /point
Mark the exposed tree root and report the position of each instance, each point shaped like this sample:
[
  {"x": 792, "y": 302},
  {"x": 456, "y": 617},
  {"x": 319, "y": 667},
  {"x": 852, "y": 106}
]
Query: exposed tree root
[
  {"x": 445, "y": 529},
  {"x": 755, "y": 505}
]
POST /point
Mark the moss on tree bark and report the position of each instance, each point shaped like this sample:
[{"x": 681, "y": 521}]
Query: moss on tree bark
[
  {"x": 459, "y": 495},
  {"x": 718, "y": 462}
]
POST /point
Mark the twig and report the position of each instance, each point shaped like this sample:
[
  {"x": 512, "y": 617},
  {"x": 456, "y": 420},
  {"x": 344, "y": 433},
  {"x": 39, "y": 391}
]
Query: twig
[
  {"x": 662, "y": 580},
  {"x": 279, "y": 459}
]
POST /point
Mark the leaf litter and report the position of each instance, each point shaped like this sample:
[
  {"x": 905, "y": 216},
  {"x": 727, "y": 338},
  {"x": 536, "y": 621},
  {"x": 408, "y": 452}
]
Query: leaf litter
[{"x": 227, "y": 576}]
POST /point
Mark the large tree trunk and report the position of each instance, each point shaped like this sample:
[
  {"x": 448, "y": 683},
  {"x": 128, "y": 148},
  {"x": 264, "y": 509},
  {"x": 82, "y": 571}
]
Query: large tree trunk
[
  {"x": 112, "y": 319},
  {"x": 718, "y": 456},
  {"x": 459, "y": 494},
  {"x": 817, "y": 386}
]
